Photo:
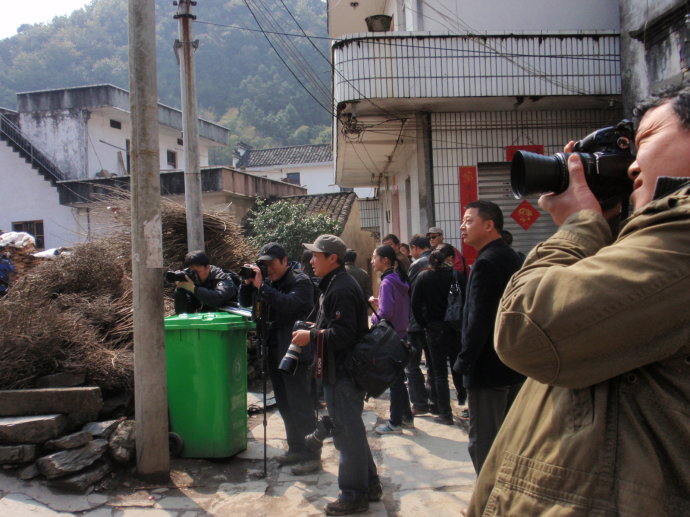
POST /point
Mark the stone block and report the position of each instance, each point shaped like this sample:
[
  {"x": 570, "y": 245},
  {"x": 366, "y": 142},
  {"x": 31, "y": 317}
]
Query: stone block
[
  {"x": 123, "y": 441},
  {"x": 50, "y": 400},
  {"x": 70, "y": 441},
  {"x": 17, "y": 454},
  {"x": 101, "y": 429},
  {"x": 80, "y": 482},
  {"x": 31, "y": 429},
  {"x": 73, "y": 460},
  {"x": 29, "y": 472}
]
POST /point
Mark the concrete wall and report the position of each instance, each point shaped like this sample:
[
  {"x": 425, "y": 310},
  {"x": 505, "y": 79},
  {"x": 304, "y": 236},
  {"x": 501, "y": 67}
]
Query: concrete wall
[
  {"x": 26, "y": 196},
  {"x": 503, "y": 16},
  {"x": 317, "y": 178},
  {"x": 62, "y": 136},
  {"x": 645, "y": 70}
]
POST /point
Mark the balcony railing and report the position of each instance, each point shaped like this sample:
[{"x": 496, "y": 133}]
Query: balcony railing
[{"x": 424, "y": 65}]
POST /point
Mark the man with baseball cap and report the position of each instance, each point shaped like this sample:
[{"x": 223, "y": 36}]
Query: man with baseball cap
[
  {"x": 435, "y": 235},
  {"x": 341, "y": 320},
  {"x": 287, "y": 296}
]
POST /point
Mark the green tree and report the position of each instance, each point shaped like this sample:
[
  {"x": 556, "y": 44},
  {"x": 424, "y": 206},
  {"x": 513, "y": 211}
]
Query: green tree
[{"x": 288, "y": 224}]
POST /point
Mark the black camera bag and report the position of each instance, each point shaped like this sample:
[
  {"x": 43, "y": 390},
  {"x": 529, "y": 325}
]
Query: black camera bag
[{"x": 379, "y": 358}]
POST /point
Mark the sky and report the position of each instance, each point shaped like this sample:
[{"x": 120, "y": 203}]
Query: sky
[{"x": 33, "y": 11}]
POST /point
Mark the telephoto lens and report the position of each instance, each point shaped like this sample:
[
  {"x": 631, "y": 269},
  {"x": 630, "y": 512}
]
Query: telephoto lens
[
  {"x": 290, "y": 360},
  {"x": 325, "y": 428}
]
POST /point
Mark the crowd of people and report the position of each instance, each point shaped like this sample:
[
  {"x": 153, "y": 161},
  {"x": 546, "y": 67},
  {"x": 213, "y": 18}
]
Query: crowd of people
[{"x": 573, "y": 361}]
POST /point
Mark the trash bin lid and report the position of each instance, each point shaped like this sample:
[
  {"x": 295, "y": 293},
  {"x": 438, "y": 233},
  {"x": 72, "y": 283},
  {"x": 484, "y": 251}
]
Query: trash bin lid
[{"x": 208, "y": 321}]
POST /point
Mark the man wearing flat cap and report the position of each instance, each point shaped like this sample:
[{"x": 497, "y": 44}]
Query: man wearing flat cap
[
  {"x": 287, "y": 296},
  {"x": 340, "y": 322},
  {"x": 435, "y": 235}
]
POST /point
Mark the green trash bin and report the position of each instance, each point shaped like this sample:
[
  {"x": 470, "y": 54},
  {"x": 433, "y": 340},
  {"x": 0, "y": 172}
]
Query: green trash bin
[{"x": 207, "y": 382}]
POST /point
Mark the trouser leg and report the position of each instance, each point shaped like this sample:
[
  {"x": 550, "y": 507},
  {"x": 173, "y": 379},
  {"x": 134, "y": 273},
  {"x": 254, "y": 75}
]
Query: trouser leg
[
  {"x": 488, "y": 408},
  {"x": 400, "y": 402},
  {"x": 453, "y": 344},
  {"x": 356, "y": 470},
  {"x": 415, "y": 378},
  {"x": 439, "y": 361},
  {"x": 293, "y": 397}
]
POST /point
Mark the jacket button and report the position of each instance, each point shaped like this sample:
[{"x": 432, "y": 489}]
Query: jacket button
[{"x": 631, "y": 378}]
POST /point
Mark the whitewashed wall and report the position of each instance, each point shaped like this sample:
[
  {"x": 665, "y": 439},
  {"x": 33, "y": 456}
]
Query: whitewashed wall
[{"x": 26, "y": 196}]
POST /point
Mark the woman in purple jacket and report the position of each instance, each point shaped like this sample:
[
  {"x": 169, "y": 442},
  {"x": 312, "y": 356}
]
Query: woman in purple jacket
[{"x": 393, "y": 304}]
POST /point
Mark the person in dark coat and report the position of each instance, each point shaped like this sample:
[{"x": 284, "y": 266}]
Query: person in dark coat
[
  {"x": 491, "y": 385},
  {"x": 429, "y": 303},
  {"x": 286, "y": 296},
  {"x": 208, "y": 288}
]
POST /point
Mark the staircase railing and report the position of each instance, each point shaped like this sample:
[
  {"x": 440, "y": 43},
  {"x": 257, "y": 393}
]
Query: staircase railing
[{"x": 35, "y": 156}]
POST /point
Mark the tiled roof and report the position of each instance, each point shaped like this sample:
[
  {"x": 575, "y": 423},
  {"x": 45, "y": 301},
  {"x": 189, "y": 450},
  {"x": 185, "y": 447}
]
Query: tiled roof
[
  {"x": 295, "y": 155},
  {"x": 337, "y": 205}
]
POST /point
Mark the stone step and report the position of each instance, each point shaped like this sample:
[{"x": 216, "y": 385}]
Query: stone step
[
  {"x": 72, "y": 460},
  {"x": 31, "y": 429},
  {"x": 50, "y": 400}
]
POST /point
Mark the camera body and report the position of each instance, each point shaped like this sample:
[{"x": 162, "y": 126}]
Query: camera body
[
  {"x": 606, "y": 155},
  {"x": 179, "y": 276},
  {"x": 290, "y": 360},
  {"x": 325, "y": 428},
  {"x": 247, "y": 273}
]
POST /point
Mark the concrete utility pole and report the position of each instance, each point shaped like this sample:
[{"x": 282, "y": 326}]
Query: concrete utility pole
[
  {"x": 150, "y": 387},
  {"x": 190, "y": 125}
]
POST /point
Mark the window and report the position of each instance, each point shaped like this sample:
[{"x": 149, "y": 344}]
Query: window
[
  {"x": 172, "y": 159},
  {"x": 115, "y": 124},
  {"x": 180, "y": 141},
  {"x": 293, "y": 177},
  {"x": 128, "y": 150},
  {"x": 34, "y": 228}
]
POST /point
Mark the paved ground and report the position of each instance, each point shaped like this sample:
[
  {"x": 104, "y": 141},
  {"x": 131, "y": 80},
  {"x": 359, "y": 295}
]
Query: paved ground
[{"x": 425, "y": 471}]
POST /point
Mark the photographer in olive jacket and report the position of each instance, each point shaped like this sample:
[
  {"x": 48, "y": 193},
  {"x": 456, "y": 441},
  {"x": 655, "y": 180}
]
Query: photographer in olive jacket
[
  {"x": 206, "y": 287},
  {"x": 287, "y": 296},
  {"x": 340, "y": 322},
  {"x": 600, "y": 325}
]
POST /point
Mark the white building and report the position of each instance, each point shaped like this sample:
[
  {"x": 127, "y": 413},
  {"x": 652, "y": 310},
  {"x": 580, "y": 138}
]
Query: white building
[
  {"x": 308, "y": 165},
  {"x": 431, "y": 111},
  {"x": 74, "y": 134}
]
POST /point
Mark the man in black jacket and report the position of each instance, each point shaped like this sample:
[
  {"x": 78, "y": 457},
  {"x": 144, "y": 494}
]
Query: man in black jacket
[
  {"x": 491, "y": 385},
  {"x": 208, "y": 288},
  {"x": 340, "y": 322},
  {"x": 287, "y": 296}
]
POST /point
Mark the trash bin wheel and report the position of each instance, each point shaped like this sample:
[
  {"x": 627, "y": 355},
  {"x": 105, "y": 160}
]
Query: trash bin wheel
[{"x": 175, "y": 444}]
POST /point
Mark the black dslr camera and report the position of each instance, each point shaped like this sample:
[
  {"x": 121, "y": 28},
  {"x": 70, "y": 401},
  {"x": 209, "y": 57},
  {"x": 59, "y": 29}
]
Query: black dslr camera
[
  {"x": 606, "y": 155},
  {"x": 246, "y": 272},
  {"x": 325, "y": 428},
  {"x": 179, "y": 276},
  {"x": 290, "y": 360}
]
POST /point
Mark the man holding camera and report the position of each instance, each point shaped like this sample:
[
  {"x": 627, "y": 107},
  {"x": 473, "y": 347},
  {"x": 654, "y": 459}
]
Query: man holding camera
[
  {"x": 342, "y": 320},
  {"x": 205, "y": 287},
  {"x": 600, "y": 326},
  {"x": 285, "y": 297}
]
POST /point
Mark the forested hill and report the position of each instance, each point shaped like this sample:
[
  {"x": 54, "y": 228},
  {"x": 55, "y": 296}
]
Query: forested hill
[{"x": 241, "y": 83}]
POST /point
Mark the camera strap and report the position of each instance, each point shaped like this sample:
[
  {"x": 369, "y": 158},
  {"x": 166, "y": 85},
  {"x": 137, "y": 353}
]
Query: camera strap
[{"x": 319, "y": 356}]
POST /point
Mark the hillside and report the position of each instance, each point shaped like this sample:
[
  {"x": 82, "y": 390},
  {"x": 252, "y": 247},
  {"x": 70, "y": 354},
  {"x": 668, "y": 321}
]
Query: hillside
[{"x": 241, "y": 83}]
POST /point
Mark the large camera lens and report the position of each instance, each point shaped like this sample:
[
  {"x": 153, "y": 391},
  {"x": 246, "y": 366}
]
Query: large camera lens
[
  {"x": 325, "y": 428},
  {"x": 532, "y": 173},
  {"x": 290, "y": 360}
]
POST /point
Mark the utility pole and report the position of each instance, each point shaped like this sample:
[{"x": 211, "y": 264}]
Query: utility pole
[
  {"x": 190, "y": 125},
  {"x": 150, "y": 386}
]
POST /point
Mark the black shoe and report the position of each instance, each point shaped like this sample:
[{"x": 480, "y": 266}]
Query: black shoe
[
  {"x": 290, "y": 458},
  {"x": 444, "y": 419},
  {"x": 306, "y": 467},
  {"x": 375, "y": 492},
  {"x": 433, "y": 409},
  {"x": 344, "y": 507},
  {"x": 419, "y": 410}
]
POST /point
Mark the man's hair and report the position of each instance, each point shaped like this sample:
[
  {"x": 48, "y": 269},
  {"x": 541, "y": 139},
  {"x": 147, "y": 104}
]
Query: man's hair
[
  {"x": 350, "y": 256},
  {"x": 339, "y": 261},
  {"x": 391, "y": 237},
  {"x": 196, "y": 258},
  {"x": 421, "y": 241},
  {"x": 489, "y": 211},
  {"x": 677, "y": 96}
]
